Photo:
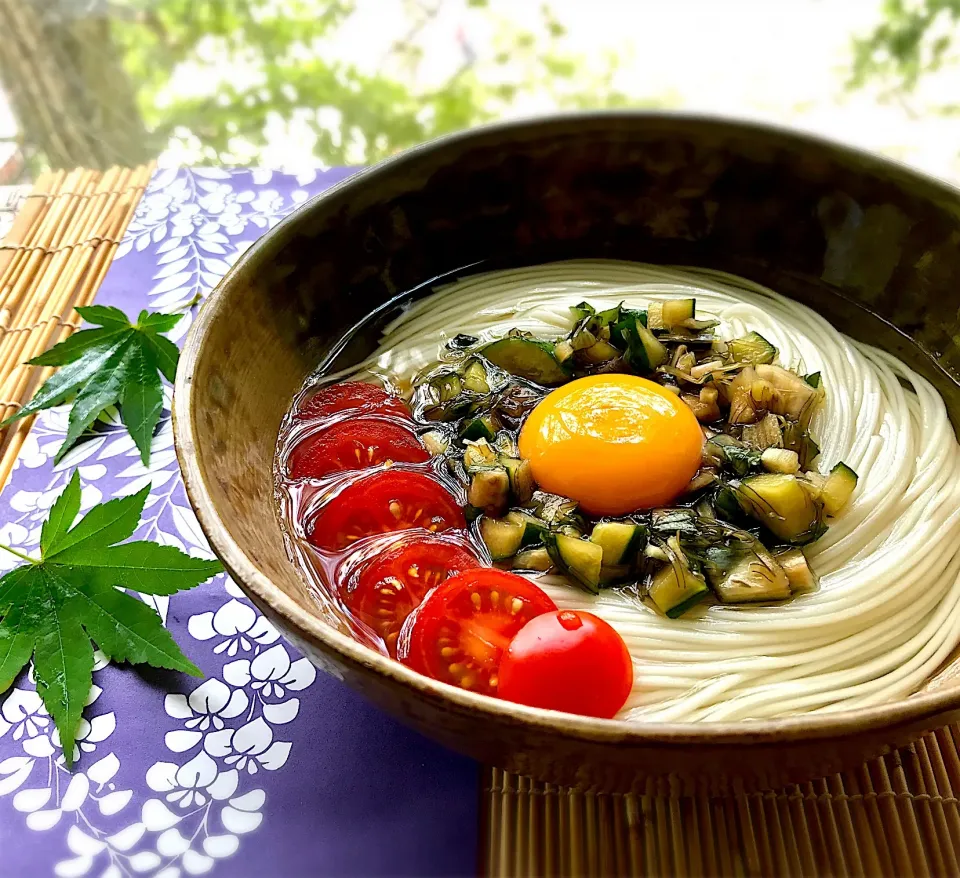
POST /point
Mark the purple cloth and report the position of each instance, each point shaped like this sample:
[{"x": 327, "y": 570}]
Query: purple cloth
[{"x": 265, "y": 767}]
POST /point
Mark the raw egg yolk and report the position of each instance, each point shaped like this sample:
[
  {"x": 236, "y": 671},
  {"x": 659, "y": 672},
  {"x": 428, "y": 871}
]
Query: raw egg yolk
[{"x": 614, "y": 443}]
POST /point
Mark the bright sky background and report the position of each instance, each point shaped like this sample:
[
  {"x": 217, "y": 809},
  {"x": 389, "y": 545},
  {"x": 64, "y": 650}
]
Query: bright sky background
[{"x": 778, "y": 60}]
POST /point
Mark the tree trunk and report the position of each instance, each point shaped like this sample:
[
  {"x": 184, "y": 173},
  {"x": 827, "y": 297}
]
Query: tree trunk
[{"x": 73, "y": 101}]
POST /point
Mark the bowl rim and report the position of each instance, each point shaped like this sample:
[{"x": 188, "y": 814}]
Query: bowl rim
[{"x": 908, "y": 710}]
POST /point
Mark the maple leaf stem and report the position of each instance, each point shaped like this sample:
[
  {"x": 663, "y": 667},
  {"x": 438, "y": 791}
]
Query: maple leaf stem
[{"x": 20, "y": 555}]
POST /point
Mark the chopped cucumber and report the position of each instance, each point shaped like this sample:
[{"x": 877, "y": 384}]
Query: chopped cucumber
[
  {"x": 676, "y": 588},
  {"x": 780, "y": 460},
  {"x": 676, "y": 311},
  {"x": 533, "y": 559},
  {"x": 579, "y": 559},
  {"x": 783, "y": 505},
  {"x": 501, "y": 537},
  {"x": 619, "y": 540},
  {"x": 621, "y": 330},
  {"x": 644, "y": 351},
  {"x": 670, "y": 314},
  {"x": 838, "y": 489},
  {"x": 582, "y": 311},
  {"x": 582, "y": 340},
  {"x": 479, "y": 428},
  {"x": 801, "y": 577},
  {"x": 520, "y": 472},
  {"x": 601, "y": 352},
  {"x": 490, "y": 491},
  {"x": 751, "y": 348},
  {"x": 527, "y": 358},
  {"x": 446, "y": 386},
  {"x": 756, "y": 577},
  {"x": 813, "y": 379},
  {"x": 534, "y": 530},
  {"x": 563, "y": 351},
  {"x": 475, "y": 377}
]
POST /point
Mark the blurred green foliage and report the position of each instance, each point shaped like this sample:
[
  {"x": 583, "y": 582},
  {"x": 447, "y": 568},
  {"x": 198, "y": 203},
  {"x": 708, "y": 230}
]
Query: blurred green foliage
[
  {"x": 221, "y": 78},
  {"x": 914, "y": 38}
]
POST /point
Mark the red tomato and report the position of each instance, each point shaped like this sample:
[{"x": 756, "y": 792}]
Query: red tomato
[
  {"x": 568, "y": 660},
  {"x": 462, "y": 629},
  {"x": 394, "y": 583},
  {"x": 351, "y": 396},
  {"x": 357, "y": 443},
  {"x": 382, "y": 503}
]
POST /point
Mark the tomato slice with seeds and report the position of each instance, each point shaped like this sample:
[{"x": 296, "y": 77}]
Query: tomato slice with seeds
[
  {"x": 357, "y": 443},
  {"x": 382, "y": 503},
  {"x": 392, "y": 585},
  {"x": 570, "y": 660},
  {"x": 352, "y": 396},
  {"x": 460, "y": 632}
]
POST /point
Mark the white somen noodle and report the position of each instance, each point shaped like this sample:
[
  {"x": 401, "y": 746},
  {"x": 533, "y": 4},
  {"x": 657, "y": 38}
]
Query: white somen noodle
[{"x": 887, "y": 613}]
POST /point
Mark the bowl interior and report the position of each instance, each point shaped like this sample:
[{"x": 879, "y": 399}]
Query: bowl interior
[{"x": 868, "y": 244}]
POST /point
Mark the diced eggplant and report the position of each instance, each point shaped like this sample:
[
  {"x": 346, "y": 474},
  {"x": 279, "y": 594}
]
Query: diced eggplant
[
  {"x": 799, "y": 574},
  {"x": 583, "y": 339},
  {"x": 742, "y": 408},
  {"x": 520, "y": 472},
  {"x": 751, "y": 348},
  {"x": 479, "y": 455},
  {"x": 527, "y": 358},
  {"x": 501, "y": 537},
  {"x": 701, "y": 371},
  {"x": 794, "y": 398},
  {"x": 764, "y": 434},
  {"x": 435, "y": 442},
  {"x": 537, "y": 560},
  {"x": 780, "y": 460},
  {"x": 704, "y": 407},
  {"x": 490, "y": 491},
  {"x": 676, "y": 588},
  {"x": 579, "y": 559},
  {"x": 620, "y": 541},
  {"x": 783, "y": 505},
  {"x": 703, "y": 479},
  {"x": 838, "y": 489},
  {"x": 555, "y": 510},
  {"x": 475, "y": 377}
]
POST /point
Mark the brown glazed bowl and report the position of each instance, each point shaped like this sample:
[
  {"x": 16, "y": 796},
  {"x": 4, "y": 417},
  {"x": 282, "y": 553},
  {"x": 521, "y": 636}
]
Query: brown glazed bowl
[{"x": 873, "y": 246}]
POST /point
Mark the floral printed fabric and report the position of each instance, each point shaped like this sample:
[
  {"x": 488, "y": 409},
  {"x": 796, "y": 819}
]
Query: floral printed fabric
[{"x": 265, "y": 767}]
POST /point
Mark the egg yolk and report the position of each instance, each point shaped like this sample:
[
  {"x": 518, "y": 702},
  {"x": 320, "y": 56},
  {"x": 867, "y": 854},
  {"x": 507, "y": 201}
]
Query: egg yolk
[{"x": 614, "y": 443}]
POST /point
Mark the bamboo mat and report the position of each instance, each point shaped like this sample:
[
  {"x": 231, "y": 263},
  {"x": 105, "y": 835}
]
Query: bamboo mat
[
  {"x": 897, "y": 815},
  {"x": 53, "y": 258}
]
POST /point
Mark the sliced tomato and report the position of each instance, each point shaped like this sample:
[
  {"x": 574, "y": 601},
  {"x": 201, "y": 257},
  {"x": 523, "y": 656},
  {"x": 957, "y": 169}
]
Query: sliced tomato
[
  {"x": 382, "y": 503},
  {"x": 392, "y": 585},
  {"x": 571, "y": 661},
  {"x": 357, "y": 443},
  {"x": 462, "y": 629},
  {"x": 351, "y": 396}
]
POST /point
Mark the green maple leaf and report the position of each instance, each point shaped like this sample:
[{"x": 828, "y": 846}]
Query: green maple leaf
[
  {"x": 53, "y": 607},
  {"x": 118, "y": 363}
]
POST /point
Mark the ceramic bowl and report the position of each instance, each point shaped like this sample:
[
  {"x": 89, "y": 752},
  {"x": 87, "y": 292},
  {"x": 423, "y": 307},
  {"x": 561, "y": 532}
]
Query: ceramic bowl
[{"x": 873, "y": 246}]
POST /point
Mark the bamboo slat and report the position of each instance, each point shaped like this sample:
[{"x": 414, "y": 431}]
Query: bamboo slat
[
  {"x": 898, "y": 815},
  {"x": 53, "y": 258}
]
